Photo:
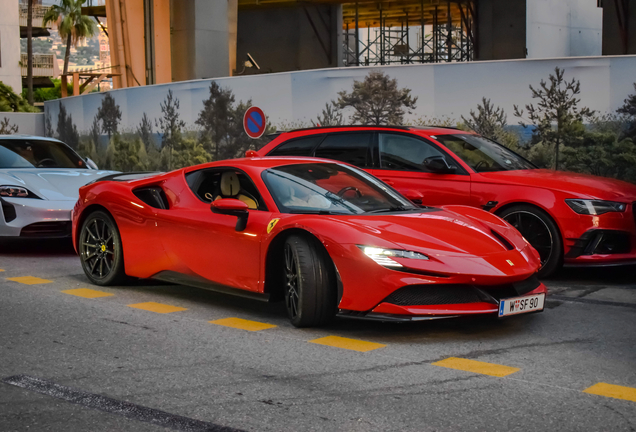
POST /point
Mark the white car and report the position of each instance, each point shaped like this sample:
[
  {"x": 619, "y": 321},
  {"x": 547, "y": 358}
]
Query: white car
[{"x": 39, "y": 185}]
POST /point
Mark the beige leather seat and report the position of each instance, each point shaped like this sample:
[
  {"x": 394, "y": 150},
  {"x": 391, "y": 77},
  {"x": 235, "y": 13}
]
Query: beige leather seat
[{"x": 231, "y": 188}]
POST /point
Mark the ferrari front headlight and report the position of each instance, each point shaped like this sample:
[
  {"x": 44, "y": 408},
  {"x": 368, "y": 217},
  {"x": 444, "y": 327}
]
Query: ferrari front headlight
[
  {"x": 595, "y": 207},
  {"x": 384, "y": 256}
]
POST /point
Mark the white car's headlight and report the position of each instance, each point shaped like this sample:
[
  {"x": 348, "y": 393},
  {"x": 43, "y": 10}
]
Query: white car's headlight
[
  {"x": 16, "y": 192},
  {"x": 595, "y": 207},
  {"x": 383, "y": 256}
]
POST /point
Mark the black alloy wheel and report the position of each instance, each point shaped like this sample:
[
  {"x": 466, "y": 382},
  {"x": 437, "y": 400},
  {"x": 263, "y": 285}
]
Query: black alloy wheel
[
  {"x": 310, "y": 282},
  {"x": 100, "y": 250},
  {"x": 541, "y": 232}
]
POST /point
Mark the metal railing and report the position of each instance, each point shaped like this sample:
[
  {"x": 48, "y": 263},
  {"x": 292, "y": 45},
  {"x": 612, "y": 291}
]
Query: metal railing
[
  {"x": 42, "y": 64},
  {"x": 38, "y": 14}
]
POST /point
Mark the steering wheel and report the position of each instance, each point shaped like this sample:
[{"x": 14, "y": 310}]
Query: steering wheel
[
  {"x": 44, "y": 162},
  {"x": 480, "y": 164},
  {"x": 344, "y": 190}
]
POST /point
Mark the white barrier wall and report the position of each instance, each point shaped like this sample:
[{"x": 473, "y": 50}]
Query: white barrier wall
[
  {"x": 451, "y": 89},
  {"x": 27, "y": 123}
]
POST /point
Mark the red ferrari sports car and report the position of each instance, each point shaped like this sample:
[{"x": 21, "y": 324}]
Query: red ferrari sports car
[
  {"x": 571, "y": 219},
  {"x": 326, "y": 237}
]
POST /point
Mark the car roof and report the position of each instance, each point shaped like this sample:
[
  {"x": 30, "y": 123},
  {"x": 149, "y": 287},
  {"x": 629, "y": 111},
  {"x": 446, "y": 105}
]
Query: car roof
[
  {"x": 420, "y": 130},
  {"x": 28, "y": 137},
  {"x": 262, "y": 163}
]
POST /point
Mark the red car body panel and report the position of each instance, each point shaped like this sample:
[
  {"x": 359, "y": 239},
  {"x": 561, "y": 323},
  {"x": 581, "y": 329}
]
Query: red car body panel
[
  {"x": 545, "y": 189},
  {"x": 189, "y": 239}
]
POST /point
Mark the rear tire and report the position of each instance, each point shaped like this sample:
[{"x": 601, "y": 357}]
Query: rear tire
[
  {"x": 100, "y": 250},
  {"x": 310, "y": 282},
  {"x": 541, "y": 232}
]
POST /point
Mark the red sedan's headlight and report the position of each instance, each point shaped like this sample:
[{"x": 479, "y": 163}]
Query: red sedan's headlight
[{"x": 595, "y": 207}]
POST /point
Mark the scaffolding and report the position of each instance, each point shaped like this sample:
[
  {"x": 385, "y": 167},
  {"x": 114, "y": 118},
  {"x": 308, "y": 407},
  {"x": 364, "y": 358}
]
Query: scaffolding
[{"x": 419, "y": 34}]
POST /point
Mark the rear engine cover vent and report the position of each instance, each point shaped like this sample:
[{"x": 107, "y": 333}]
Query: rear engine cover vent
[{"x": 154, "y": 196}]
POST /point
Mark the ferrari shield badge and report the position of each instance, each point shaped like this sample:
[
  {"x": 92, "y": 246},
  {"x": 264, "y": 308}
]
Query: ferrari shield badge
[
  {"x": 271, "y": 225},
  {"x": 510, "y": 262}
]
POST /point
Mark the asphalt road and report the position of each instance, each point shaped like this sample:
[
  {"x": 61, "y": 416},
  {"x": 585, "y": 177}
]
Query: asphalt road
[{"x": 115, "y": 363}]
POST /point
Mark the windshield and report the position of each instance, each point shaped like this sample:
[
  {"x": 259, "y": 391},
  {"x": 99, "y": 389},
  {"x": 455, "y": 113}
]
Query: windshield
[
  {"x": 482, "y": 154},
  {"x": 25, "y": 153},
  {"x": 330, "y": 189}
]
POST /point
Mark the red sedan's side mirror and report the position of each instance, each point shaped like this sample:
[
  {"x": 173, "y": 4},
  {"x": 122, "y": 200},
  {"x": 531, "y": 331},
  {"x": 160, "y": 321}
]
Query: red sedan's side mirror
[
  {"x": 439, "y": 165},
  {"x": 232, "y": 207},
  {"x": 251, "y": 153}
]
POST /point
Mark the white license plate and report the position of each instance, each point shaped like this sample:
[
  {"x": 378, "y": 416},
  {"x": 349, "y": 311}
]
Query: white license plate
[{"x": 519, "y": 305}]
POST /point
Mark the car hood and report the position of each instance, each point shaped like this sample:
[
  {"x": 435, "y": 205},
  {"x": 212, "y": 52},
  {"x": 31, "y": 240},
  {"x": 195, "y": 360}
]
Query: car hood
[
  {"x": 56, "y": 184},
  {"x": 457, "y": 240},
  {"x": 441, "y": 232},
  {"x": 579, "y": 185}
]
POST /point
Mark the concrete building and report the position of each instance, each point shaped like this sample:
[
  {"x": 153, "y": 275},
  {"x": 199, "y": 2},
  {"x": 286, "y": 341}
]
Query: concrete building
[
  {"x": 539, "y": 28},
  {"x": 160, "y": 41},
  {"x": 619, "y": 27},
  {"x": 10, "y": 73}
]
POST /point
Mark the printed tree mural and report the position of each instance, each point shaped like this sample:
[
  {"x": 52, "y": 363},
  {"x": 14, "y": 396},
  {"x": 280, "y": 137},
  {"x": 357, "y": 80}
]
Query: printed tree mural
[
  {"x": 330, "y": 116},
  {"x": 48, "y": 125},
  {"x": 145, "y": 132},
  {"x": 377, "y": 100},
  {"x": 216, "y": 118},
  {"x": 66, "y": 130},
  {"x": 109, "y": 114},
  {"x": 6, "y": 128},
  {"x": 170, "y": 125},
  {"x": 488, "y": 120},
  {"x": 94, "y": 132},
  {"x": 222, "y": 123},
  {"x": 491, "y": 122},
  {"x": 629, "y": 111},
  {"x": 556, "y": 111}
]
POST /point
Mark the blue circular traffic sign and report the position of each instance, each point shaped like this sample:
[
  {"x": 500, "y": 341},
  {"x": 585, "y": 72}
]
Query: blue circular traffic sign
[{"x": 254, "y": 122}]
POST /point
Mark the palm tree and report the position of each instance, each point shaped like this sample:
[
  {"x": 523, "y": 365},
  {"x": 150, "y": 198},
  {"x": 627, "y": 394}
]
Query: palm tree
[
  {"x": 71, "y": 24},
  {"x": 30, "y": 52}
]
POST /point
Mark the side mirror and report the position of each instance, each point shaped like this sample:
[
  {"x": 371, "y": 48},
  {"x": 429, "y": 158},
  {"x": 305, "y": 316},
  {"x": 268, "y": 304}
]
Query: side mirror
[
  {"x": 232, "y": 207},
  {"x": 414, "y": 196},
  {"x": 250, "y": 153},
  {"x": 439, "y": 165},
  {"x": 91, "y": 164}
]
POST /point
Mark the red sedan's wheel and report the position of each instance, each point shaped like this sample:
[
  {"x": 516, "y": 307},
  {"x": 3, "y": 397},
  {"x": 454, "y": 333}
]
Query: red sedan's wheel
[
  {"x": 100, "y": 250},
  {"x": 310, "y": 284},
  {"x": 541, "y": 232}
]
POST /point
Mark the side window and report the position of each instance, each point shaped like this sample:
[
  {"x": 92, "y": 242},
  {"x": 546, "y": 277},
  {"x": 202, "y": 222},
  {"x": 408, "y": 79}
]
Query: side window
[
  {"x": 208, "y": 185},
  {"x": 401, "y": 152},
  {"x": 352, "y": 148},
  {"x": 297, "y": 147}
]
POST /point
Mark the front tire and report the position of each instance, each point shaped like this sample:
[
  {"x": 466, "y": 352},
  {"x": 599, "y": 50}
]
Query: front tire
[
  {"x": 100, "y": 250},
  {"x": 541, "y": 232},
  {"x": 310, "y": 283}
]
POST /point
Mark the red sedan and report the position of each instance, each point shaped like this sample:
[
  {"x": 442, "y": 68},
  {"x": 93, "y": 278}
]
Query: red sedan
[
  {"x": 571, "y": 219},
  {"x": 326, "y": 237}
]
